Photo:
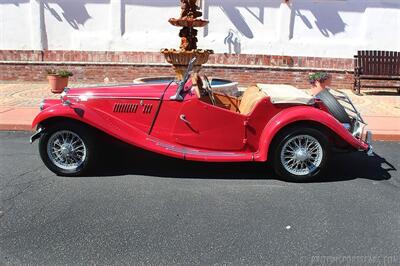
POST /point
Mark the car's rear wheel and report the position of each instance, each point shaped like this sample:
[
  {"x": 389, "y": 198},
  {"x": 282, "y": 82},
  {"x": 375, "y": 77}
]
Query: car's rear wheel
[
  {"x": 300, "y": 153},
  {"x": 67, "y": 149}
]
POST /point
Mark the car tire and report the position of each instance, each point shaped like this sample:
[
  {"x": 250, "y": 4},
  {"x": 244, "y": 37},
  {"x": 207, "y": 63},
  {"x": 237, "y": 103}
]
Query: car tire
[
  {"x": 300, "y": 154},
  {"x": 334, "y": 107},
  {"x": 68, "y": 148}
]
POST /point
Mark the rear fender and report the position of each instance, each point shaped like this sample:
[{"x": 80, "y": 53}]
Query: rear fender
[
  {"x": 103, "y": 122},
  {"x": 296, "y": 114}
]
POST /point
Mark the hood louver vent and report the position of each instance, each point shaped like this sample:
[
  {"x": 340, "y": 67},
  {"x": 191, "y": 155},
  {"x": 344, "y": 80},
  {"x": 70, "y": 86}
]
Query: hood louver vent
[
  {"x": 125, "y": 108},
  {"x": 147, "y": 108}
]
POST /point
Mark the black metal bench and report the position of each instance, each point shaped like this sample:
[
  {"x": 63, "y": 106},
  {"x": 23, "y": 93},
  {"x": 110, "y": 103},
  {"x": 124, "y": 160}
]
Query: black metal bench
[{"x": 379, "y": 66}]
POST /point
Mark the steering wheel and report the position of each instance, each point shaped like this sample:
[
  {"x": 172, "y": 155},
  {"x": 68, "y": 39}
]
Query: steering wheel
[
  {"x": 197, "y": 85},
  {"x": 209, "y": 90}
]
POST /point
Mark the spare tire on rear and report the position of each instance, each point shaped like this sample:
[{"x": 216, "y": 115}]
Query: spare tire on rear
[{"x": 334, "y": 107}]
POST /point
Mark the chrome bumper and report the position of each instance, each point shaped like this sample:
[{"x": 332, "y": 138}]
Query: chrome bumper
[
  {"x": 359, "y": 124},
  {"x": 37, "y": 135},
  {"x": 368, "y": 140}
]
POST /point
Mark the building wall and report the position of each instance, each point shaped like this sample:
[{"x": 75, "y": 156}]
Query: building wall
[
  {"x": 322, "y": 28},
  {"x": 254, "y": 40}
]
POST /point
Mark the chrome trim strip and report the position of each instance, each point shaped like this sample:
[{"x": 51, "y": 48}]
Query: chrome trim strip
[
  {"x": 112, "y": 97},
  {"x": 122, "y": 85}
]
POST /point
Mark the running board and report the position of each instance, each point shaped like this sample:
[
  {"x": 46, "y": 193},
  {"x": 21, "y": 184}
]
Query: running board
[{"x": 203, "y": 155}]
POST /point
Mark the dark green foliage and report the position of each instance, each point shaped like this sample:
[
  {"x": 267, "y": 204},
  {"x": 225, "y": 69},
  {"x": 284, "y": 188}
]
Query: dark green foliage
[{"x": 61, "y": 73}]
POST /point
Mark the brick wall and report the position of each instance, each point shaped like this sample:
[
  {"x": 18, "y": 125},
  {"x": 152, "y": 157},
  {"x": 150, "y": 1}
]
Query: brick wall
[
  {"x": 93, "y": 67},
  {"x": 298, "y": 78}
]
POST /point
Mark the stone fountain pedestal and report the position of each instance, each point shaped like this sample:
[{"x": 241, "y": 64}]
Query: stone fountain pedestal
[{"x": 188, "y": 49}]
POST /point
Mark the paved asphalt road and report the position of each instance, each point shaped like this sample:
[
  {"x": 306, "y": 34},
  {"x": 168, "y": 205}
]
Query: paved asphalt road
[{"x": 146, "y": 209}]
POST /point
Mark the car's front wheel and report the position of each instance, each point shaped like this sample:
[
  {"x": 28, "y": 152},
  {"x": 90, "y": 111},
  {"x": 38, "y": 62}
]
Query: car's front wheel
[
  {"x": 300, "y": 154},
  {"x": 67, "y": 149}
]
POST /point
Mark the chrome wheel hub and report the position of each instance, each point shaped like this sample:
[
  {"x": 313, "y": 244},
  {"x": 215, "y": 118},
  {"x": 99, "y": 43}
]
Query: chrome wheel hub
[
  {"x": 66, "y": 150},
  {"x": 301, "y": 155}
]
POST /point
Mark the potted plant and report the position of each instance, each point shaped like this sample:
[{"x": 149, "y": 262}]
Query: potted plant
[{"x": 58, "y": 79}]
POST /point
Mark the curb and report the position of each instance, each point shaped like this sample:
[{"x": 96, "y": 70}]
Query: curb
[
  {"x": 16, "y": 127},
  {"x": 376, "y": 136}
]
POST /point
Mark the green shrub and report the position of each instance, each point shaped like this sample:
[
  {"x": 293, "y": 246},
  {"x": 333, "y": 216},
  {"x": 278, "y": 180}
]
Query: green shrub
[
  {"x": 61, "y": 73},
  {"x": 65, "y": 73}
]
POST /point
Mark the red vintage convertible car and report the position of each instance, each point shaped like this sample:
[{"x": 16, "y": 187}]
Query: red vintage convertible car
[{"x": 187, "y": 120}]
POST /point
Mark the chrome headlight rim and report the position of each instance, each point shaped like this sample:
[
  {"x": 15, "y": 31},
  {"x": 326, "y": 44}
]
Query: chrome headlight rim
[{"x": 41, "y": 104}]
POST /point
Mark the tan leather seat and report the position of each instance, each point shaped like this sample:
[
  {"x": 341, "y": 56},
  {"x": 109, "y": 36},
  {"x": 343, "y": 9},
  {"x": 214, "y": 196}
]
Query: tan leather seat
[{"x": 250, "y": 98}]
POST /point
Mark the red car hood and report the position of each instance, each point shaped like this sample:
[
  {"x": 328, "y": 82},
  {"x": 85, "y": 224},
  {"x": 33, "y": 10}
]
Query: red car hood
[{"x": 121, "y": 91}]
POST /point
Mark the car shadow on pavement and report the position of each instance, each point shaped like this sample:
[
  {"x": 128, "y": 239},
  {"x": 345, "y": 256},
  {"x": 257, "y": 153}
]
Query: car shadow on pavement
[
  {"x": 123, "y": 160},
  {"x": 348, "y": 166}
]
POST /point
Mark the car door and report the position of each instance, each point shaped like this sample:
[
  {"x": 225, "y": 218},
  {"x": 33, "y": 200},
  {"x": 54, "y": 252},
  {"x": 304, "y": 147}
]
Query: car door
[{"x": 203, "y": 125}]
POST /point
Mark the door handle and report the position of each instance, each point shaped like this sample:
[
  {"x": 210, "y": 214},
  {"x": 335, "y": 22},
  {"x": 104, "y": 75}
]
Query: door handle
[{"x": 183, "y": 118}]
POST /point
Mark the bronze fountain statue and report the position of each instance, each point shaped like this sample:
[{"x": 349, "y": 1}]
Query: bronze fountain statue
[
  {"x": 189, "y": 20},
  {"x": 190, "y": 9}
]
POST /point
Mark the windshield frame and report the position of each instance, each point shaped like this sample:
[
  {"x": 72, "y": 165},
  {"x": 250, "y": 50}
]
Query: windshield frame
[{"x": 181, "y": 83}]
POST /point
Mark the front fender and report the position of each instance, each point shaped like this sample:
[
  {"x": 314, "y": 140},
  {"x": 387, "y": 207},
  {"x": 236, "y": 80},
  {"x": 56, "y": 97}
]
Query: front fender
[
  {"x": 76, "y": 111},
  {"x": 91, "y": 116},
  {"x": 103, "y": 122},
  {"x": 299, "y": 114}
]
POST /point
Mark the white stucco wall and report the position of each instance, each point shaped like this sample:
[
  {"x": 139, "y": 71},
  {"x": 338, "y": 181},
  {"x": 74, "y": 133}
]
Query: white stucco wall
[{"x": 327, "y": 28}]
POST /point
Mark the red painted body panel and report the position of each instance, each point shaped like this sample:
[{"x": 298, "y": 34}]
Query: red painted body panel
[
  {"x": 49, "y": 102},
  {"x": 144, "y": 116},
  {"x": 130, "y": 134},
  {"x": 209, "y": 127},
  {"x": 130, "y": 90},
  {"x": 263, "y": 112},
  {"x": 303, "y": 113}
]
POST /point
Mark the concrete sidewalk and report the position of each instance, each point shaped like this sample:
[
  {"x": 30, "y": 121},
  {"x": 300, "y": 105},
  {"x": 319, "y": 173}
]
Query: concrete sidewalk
[{"x": 19, "y": 104}]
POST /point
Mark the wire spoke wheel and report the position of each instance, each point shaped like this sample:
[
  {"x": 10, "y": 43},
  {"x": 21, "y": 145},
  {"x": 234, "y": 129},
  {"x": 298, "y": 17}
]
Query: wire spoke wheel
[
  {"x": 66, "y": 150},
  {"x": 301, "y": 155}
]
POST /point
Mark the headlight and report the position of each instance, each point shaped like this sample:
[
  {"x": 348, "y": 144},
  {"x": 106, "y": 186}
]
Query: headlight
[
  {"x": 41, "y": 105},
  {"x": 64, "y": 93}
]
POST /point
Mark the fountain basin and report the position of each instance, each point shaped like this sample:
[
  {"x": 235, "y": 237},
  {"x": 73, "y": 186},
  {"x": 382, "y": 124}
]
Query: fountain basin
[
  {"x": 187, "y": 22},
  {"x": 182, "y": 58},
  {"x": 218, "y": 84}
]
